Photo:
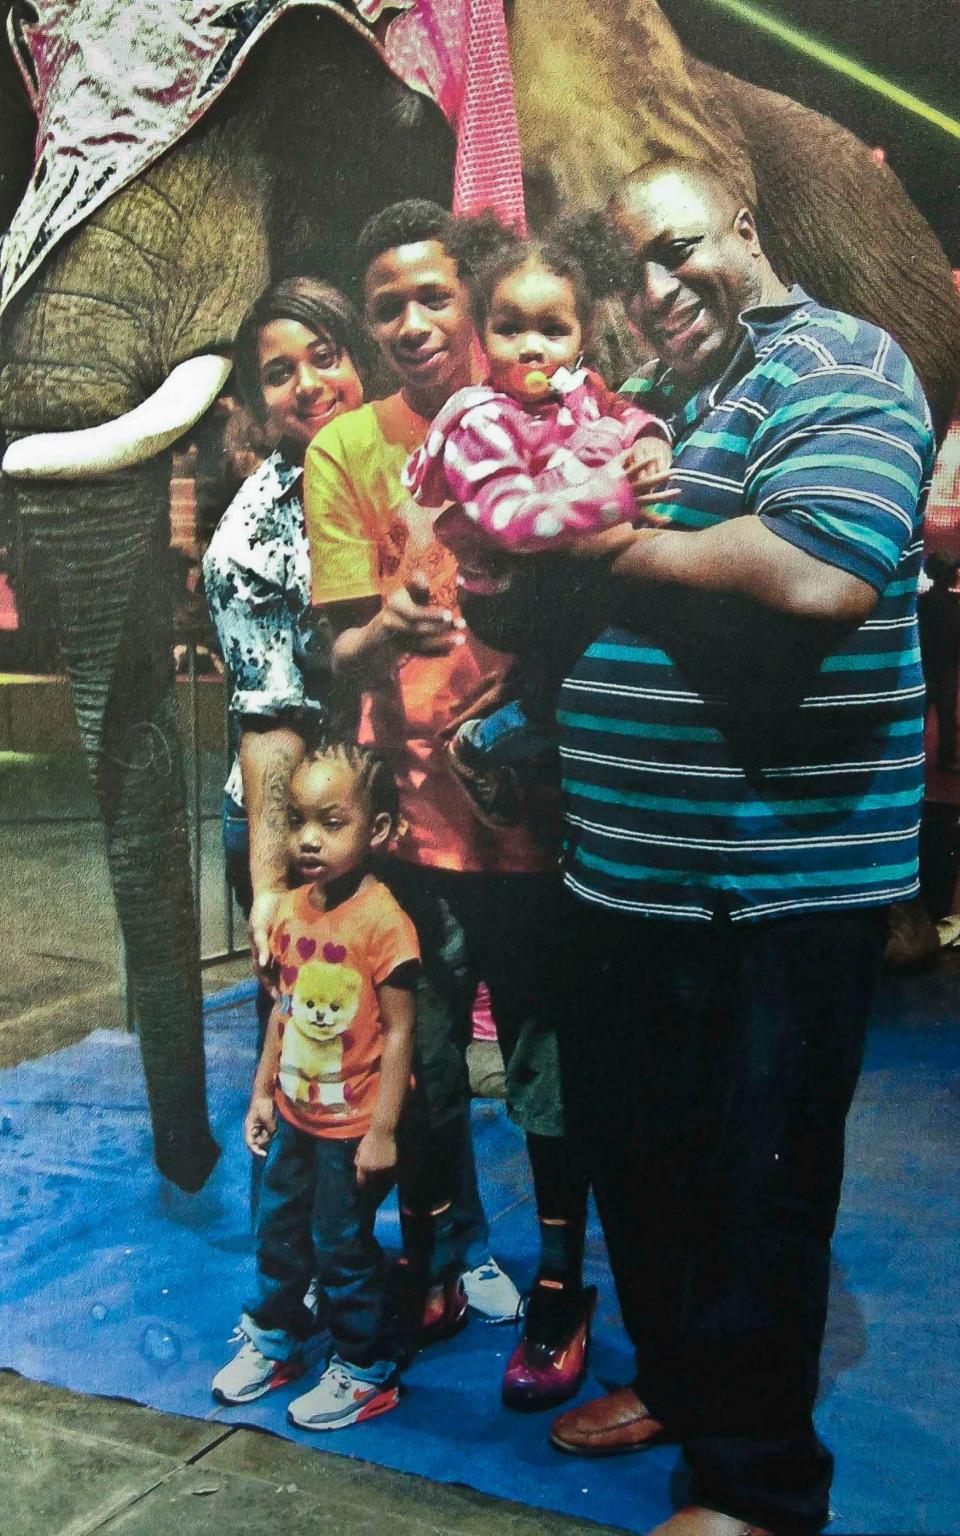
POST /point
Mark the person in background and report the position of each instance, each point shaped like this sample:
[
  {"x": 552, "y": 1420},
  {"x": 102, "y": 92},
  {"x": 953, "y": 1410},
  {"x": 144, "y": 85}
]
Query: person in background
[{"x": 939, "y": 613}]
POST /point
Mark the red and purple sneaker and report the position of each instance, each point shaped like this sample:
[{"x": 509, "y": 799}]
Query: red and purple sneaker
[
  {"x": 550, "y": 1362},
  {"x": 340, "y": 1398}
]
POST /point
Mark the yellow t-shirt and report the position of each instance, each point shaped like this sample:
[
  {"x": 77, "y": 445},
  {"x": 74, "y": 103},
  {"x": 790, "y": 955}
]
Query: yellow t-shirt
[{"x": 368, "y": 537}]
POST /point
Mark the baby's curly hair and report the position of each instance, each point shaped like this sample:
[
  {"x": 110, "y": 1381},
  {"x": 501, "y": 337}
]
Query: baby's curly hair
[
  {"x": 374, "y": 782},
  {"x": 581, "y": 250}
]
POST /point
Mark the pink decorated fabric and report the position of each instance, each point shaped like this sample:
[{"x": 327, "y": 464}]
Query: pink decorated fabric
[{"x": 114, "y": 83}]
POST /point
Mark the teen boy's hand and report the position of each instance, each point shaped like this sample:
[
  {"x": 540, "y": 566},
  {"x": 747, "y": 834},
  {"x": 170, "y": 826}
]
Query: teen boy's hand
[
  {"x": 260, "y": 1124},
  {"x": 411, "y": 623},
  {"x": 376, "y": 1156}
]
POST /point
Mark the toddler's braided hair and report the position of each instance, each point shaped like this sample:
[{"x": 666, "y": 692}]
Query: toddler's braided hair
[{"x": 373, "y": 780}]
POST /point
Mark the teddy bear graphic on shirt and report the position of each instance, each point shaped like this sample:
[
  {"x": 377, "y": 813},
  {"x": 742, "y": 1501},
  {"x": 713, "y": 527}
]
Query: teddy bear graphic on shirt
[{"x": 323, "y": 1005}]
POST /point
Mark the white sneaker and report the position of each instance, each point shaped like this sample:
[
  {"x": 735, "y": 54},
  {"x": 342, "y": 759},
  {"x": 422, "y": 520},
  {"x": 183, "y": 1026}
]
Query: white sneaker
[
  {"x": 491, "y": 1293},
  {"x": 250, "y": 1374},
  {"x": 340, "y": 1398}
]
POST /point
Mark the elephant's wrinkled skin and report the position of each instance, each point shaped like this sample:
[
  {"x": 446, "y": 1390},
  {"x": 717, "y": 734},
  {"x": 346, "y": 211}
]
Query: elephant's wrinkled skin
[{"x": 266, "y": 182}]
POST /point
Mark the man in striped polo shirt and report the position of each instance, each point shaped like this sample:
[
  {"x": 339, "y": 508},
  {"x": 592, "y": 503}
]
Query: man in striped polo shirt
[{"x": 742, "y": 758}]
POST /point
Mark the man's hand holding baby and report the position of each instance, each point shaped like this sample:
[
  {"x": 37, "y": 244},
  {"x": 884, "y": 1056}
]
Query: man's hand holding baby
[{"x": 647, "y": 466}]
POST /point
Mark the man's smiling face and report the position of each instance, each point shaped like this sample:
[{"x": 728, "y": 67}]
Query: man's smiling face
[{"x": 696, "y": 267}]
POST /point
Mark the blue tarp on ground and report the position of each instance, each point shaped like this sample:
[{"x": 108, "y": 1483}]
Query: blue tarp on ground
[{"x": 114, "y": 1283}]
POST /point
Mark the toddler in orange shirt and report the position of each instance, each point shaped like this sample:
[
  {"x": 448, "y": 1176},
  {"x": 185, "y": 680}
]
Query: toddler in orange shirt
[{"x": 326, "y": 1103}]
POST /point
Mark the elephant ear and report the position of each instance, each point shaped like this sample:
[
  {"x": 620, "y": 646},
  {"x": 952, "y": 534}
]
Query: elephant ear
[
  {"x": 845, "y": 229},
  {"x": 18, "y": 131}
]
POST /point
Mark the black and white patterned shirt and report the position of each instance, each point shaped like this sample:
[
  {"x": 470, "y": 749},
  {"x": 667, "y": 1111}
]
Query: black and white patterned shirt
[{"x": 256, "y": 576}]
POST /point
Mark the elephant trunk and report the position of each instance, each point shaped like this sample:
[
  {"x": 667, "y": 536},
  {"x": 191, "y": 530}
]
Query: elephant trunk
[
  {"x": 97, "y": 560},
  {"x": 160, "y": 274}
]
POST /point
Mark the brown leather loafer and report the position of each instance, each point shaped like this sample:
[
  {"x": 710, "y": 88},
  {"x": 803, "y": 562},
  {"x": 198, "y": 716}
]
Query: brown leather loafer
[
  {"x": 697, "y": 1521},
  {"x": 609, "y": 1426}
]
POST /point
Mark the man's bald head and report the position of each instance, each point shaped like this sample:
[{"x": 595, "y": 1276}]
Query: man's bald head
[
  {"x": 696, "y": 263},
  {"x": 711, "y": 185}
]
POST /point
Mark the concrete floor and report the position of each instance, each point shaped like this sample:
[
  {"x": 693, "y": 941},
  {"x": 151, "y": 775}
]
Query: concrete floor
[{"x": 72, "y": 1465}]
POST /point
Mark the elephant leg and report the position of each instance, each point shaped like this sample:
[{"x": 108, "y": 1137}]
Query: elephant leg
[
  {"x": 162, "y": 272},
  {"x": 114, "y": 632}
]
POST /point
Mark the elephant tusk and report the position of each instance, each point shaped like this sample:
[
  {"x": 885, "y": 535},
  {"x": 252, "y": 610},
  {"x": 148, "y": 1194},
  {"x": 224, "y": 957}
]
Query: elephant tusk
[{"x": 188, "y": 391}]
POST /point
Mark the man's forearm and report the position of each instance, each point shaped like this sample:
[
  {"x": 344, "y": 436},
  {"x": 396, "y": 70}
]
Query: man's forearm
[
  {"x": 743, "y": 556},
  {"x": 267, "y": 760}
]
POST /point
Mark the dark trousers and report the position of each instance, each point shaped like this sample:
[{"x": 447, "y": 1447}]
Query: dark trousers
[{"x": 708, "y": 1070}]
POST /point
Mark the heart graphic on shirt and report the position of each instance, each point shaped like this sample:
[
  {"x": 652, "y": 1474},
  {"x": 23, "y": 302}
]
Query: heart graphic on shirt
[
  {"x": 289, "y": 974},
  {"x": 282, "y": 941},
  {"x": 305, "y": 948},
  {"x": 348, "y": 1092},
  {"x": 334, "y": 953}
]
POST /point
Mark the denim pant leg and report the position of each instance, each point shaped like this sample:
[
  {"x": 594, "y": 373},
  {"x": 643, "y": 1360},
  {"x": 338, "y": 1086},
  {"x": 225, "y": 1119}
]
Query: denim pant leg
[
  {"x": 351, "y": 1268},
  {"x": 276, "y": 1318}
]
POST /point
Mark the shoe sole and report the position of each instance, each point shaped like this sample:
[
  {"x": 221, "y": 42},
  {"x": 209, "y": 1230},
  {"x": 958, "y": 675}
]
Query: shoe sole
[
  {"x": 383, "y": 1403},
  {"x": 281, "y": 1379},
  {"x": 597, "y": 1453}
]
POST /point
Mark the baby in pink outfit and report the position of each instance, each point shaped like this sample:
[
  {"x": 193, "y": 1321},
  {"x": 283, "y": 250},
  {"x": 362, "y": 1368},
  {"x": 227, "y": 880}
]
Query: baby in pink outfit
[{"x": 539, "y": 457}]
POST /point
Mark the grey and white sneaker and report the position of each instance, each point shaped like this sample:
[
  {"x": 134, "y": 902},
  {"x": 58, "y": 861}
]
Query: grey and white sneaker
[
  {"x": 250, "y": 1374},
  {"x": 491, "y": 1293},
  {"x": 340, "y": 1398}
]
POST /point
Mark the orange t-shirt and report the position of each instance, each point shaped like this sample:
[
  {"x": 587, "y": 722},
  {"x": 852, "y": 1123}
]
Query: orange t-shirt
[
  {"x": 330, "y": 965},
  {"x": 367, "y": 538}
]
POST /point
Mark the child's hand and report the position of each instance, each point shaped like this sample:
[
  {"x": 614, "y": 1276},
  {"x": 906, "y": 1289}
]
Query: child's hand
[
  {"x": 260, "y": 1124},
  {"x": 647, "y": 468},
  {"x": 376, "y": 1155}
]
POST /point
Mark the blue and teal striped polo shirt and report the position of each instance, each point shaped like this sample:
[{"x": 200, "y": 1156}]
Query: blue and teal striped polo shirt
[{"x": 720, "y": 757}]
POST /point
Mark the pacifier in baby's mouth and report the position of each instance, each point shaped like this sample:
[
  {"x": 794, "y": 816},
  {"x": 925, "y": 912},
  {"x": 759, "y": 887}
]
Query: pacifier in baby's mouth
[{"x": 529, "y": 381}]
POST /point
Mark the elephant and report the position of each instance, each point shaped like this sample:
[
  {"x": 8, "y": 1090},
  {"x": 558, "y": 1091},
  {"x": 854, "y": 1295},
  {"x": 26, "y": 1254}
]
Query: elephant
[{"x": 128, "y": 321}]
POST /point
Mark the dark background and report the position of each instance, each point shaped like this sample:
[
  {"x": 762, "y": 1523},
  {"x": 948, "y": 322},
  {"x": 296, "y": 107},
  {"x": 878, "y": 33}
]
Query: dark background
[{"x": 913, "y": 43}]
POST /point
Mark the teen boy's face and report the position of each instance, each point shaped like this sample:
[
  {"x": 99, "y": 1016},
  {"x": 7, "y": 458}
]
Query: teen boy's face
[
  {"x": 331, "y": 831},
  {"x": 418, "y": 313}
]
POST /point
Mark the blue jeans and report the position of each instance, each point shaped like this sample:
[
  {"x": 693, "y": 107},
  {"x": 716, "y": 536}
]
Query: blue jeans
[{"x": 315, "y": 1222}]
